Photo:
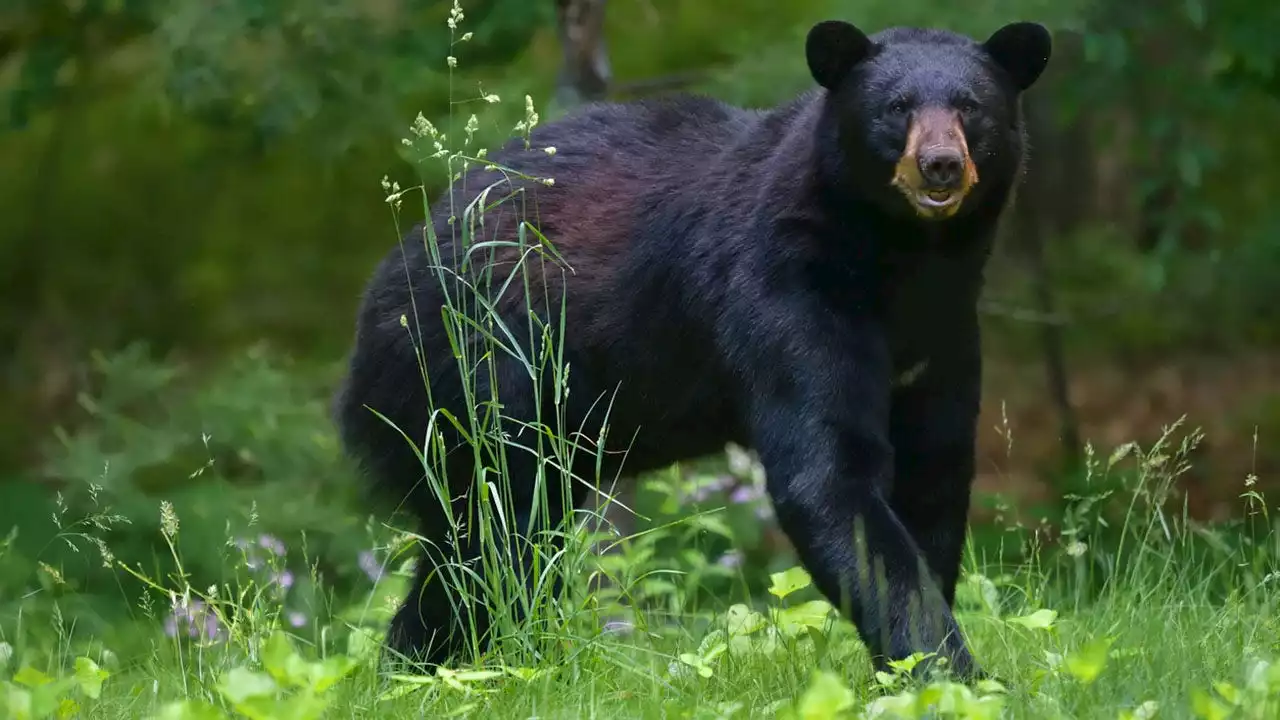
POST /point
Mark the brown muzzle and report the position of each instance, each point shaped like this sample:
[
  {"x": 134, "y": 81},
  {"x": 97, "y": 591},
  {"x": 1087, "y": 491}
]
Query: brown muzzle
[{"x": 935, "y": 172}]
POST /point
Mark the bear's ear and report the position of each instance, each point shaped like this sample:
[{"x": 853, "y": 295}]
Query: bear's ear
[
  {"x": 832, "y": 48},
  {"x": 1022, "y": 49}
]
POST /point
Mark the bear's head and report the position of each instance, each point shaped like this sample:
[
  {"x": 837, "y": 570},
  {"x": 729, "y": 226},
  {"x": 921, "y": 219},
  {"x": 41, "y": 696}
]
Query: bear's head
[{"x": 926, "y": 122}]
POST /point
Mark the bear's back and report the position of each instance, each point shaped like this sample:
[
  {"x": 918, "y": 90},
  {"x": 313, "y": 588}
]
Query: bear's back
[{"x": 610, "y": 186}]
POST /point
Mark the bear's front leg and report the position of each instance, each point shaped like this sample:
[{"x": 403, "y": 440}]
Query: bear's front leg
[
  {"x": 818, "y": 396},
  {"x": 933, "y": 429}
]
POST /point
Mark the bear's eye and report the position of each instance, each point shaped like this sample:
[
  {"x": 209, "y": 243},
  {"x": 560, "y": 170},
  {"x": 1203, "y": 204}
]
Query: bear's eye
[
  {"x": 967, "y": 107},
  {"x": 898, "y": 107}
]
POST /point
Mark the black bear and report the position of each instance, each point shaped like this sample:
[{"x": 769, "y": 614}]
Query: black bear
[{"x": 802, "y": 280}]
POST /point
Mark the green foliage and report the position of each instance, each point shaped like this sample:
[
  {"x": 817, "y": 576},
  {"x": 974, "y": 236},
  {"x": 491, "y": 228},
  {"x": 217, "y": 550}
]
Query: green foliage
[
  {"x": 1156, "y": 642},
  {"x": 252, "y": 434},
  {"x": 266, "y": 67},
  {"x": 54, "y": 41},
  {"x": 31, "y": 694}
]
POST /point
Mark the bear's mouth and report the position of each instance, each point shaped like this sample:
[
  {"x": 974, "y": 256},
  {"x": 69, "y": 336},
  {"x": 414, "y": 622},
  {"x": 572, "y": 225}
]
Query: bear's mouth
[{"x": 937, "y": 200}]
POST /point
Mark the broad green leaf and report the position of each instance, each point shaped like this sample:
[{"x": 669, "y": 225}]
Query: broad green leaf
[
  {"x": 741, "y": 620},
  {"x": 361, "y": 643},
  {"x": 813, "y": 614},
  {"x": 788, "y": 581},
  {"x": 826, "y": 697},
  {"x": 283, "y": 662},
  {"x": 988, "y": 686},
  {"x": 902, "y": 705},
  {"x": 327, "y": 673},
  {"x": 90, "y": 677},
  {"x": 950, "y": 699},
  {"x": 986, "y": 592},
  {"x": 17, "y": 701},
  {"x": 241, "y": 683},
  {"x": 1087, "y": 662},
  {"x": 1207, "y": 707},
  {"x": 695, "y": 662},
  {"x": 1228, "y": 692},
  {"x": 909, "y": 663},
  {"x": 31, "y": 677},
  {"x": 1042, "y": 619},
  {"x": 988, "y": 707}
]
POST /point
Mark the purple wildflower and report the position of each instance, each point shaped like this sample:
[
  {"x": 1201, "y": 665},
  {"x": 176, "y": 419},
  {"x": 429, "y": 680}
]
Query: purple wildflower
[
  {"x": 210, "y": 626},
  {"x": 270, "y": 542},
  {"x": 730, "y": 559},
  {"x": 369, "y": 564},
  {"x": 744, "y": 494},
  {"x": 704, "y": 490},
  {"x": 251, "y": 560},
  {"x": 699, "y": 493},
  {"x": 195, "y": 619},
  {"x": 284, "y": 579},
  {"x": 297, "y": 619}
]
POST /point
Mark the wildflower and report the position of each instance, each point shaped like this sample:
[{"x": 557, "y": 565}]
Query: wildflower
[
  {"x": 269, "y": 542},
  {"x": 744, "y": 494},
  {"x": 369, "y": 564},
  {"x": 194, "y": 618},
  {"x": 283, "y": 579},
  {"x": 297, "y": 619},
  {"x": 731, "y": 559},
  {"x": 704, "y": 489}
]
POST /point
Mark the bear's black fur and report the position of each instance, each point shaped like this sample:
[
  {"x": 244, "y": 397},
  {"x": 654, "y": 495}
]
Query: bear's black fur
[{"x": 801, "y": 280}]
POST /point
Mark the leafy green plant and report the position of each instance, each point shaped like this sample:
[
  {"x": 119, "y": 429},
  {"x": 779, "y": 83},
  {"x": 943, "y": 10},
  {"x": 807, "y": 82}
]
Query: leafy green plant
[
  {"x": 31, "y": 694},
  {"x": 288, "y": 687}
]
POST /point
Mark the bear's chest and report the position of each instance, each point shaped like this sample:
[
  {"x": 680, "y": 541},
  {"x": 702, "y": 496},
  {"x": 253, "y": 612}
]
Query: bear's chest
[{"x": 928, "y": 310}]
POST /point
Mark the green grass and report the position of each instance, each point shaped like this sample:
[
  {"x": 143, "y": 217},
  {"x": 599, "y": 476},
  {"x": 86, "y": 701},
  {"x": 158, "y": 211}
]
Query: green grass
[{"x": 1134, "y": 611}]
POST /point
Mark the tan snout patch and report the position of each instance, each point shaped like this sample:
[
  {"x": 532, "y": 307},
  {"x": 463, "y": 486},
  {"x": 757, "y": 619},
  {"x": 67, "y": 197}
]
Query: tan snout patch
[{"x": 932, "y": 129}]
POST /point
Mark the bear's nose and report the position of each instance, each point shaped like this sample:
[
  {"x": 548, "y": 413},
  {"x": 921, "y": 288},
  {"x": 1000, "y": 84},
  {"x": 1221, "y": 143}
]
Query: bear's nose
[{"x": 942, "y": 168}]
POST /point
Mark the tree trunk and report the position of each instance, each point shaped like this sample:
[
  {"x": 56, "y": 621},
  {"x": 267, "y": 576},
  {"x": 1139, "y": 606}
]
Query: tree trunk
[{"x": 585, "y": 74}]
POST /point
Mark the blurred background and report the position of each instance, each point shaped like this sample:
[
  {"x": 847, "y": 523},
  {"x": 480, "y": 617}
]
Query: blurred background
[{"x": 192, "y": 201}]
